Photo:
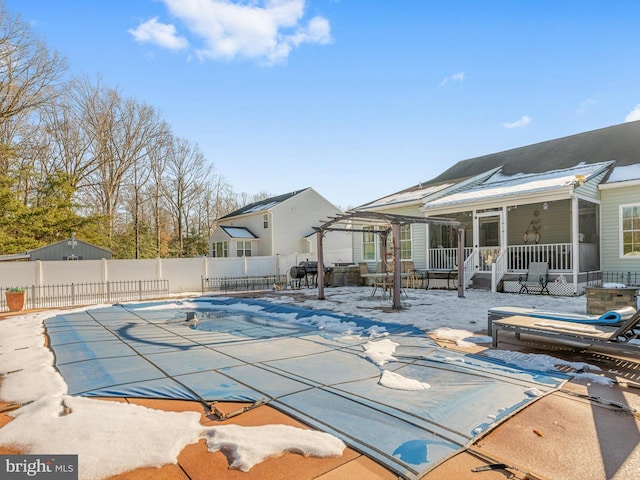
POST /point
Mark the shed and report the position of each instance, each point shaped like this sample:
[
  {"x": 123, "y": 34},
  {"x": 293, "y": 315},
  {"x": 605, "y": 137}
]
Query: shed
[{"x": 70, "y": 249}]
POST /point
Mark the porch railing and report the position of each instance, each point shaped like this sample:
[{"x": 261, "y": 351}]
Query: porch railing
[
  {"x": 559, "y": 256},
  {"x": 469, "y": 270},
  {"x": 446, "y": 258},
  {"x": 498, "y": 270}
]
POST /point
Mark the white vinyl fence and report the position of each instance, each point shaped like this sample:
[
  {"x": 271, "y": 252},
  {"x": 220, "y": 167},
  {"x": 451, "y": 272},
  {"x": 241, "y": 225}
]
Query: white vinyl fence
[
  {"x": 168, "y": 275},
  {"x": 183, "y": 274}
]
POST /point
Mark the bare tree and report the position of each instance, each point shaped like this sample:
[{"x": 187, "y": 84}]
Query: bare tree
[
  {"x": 29, "y": 72},
  {"x": 123, "y": 133},
  {"x": 187, "y": 176},
  {"x": 158, "y": 159}
]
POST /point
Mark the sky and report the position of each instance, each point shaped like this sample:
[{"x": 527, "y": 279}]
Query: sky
[
  {"x": 356, "y": 99},
  {"x": 127, "y": 436}
]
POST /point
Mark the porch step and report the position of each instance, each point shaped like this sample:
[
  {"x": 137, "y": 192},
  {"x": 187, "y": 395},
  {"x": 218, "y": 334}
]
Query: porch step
[{"x": 481, "y": 281}]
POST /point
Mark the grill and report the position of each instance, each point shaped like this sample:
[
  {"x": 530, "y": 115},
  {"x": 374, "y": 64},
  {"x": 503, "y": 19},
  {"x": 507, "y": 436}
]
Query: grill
[{"x": 307, "y": 270}]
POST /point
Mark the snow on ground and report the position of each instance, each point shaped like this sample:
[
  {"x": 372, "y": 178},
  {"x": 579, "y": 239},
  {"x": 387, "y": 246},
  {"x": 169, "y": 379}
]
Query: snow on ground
[{"x": 111, "y": 437}]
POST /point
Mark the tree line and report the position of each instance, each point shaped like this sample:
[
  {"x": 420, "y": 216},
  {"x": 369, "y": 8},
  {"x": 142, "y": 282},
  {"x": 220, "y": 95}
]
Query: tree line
[{"x": 78, "y": 156}]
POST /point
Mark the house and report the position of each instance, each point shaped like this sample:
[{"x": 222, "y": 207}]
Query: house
[
  {"x": 280, "y": 225},
  {"x": 571, "y": 202},
  {"x": 69, "y": 249}
]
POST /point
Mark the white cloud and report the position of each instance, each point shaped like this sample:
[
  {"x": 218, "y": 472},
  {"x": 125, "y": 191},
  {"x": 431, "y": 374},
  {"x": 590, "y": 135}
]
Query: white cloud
[
  {"x": 160, "y": 34},
  {"x": 456, "y": 77},
  {"x": 633, "y": 114},
  {"x": 586, "y": 105},
  {"x": 522, "y": 122},
  {"x": 264, "y": 30}
]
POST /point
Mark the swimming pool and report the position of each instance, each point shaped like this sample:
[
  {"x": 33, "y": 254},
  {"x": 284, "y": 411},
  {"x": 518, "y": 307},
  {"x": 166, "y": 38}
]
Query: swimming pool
[{"x": 314, "y": 365}]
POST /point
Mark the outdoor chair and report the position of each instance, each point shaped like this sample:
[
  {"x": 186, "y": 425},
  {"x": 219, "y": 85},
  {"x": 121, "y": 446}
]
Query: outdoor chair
[
  {"x": 364, "y": 273},
  {"x": 536, "y": 278}
]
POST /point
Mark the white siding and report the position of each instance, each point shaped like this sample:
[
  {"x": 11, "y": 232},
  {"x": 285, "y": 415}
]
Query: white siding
[
  {"x": 611, "y": 199},
  {"x": 290, "y": 229},
  {"x": 590, "y": 189},
  {"x": 293, "y": 219}
]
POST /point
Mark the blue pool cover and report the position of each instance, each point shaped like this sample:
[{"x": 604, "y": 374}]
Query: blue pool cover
[{"x": 301, "y": 362}]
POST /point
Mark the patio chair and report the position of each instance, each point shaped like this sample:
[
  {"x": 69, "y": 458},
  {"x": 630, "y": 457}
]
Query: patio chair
[
  {"x": 535, "y": 279},
  {"x": 573, "y": 332},
  {"x": 364, "y": 273}
]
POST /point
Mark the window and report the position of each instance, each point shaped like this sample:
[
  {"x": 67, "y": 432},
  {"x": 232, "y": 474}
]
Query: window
[
  {"x": 265, "y": 220},
  {"x": 220, "y": 249},
  {"x": 244, "y": 249},
  {"x": 368, "y": 244},
  {"x": 630, "y": 221},
  {"x": 405, "y": 242}
]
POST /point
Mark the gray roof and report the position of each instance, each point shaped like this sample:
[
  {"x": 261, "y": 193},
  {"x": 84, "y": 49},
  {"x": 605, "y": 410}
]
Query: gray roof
[
  {"x": 262, "y": 205},
  {"x": 619, "y": 143}
]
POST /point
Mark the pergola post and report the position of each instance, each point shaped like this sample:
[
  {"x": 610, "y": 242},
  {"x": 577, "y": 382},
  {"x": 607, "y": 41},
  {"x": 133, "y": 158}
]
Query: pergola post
[
  {"x": 397, "y": 275},
  {"x": 320, "y": 277},
  {"x": 461, "y": 262}
]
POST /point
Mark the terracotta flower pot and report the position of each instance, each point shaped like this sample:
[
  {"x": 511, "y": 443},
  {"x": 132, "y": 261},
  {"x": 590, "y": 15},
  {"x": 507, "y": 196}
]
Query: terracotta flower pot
[{"x": 15, "y": 300}]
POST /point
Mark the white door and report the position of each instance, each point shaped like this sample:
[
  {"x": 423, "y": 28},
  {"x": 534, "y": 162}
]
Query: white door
[{"x": 488, "y": 237}]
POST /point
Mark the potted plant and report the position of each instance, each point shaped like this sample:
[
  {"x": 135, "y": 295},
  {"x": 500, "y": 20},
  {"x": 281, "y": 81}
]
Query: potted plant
[{"x": 15, "y": 298}]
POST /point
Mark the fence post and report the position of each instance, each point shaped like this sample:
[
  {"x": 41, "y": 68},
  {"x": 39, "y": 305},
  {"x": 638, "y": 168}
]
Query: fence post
[
  {"x": 73, "y": 294},
  {"x": 139, "y": 289}
]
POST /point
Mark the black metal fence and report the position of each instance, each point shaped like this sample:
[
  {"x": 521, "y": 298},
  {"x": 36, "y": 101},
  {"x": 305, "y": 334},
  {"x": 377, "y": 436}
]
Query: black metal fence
[
  {"x": 258, "y": 282},
  {"x": 52, "y": 296},
  {"x": 630, "y": 279}
]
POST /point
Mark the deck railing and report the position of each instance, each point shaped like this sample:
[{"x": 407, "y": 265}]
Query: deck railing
[{"x": 75, "y": 294}]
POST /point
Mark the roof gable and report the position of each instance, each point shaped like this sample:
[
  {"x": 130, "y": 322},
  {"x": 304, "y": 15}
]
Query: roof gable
[{"x": 68, "y": 242}]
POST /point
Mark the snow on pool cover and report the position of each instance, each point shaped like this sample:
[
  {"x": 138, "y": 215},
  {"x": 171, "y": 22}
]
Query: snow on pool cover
[{"x": 385, "y": 389}]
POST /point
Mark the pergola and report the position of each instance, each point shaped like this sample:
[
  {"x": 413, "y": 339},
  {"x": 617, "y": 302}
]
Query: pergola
[{"x": 384, "y": 223}]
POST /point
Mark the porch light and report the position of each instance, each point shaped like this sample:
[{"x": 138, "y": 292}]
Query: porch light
[{"x": 545, "y": 206}]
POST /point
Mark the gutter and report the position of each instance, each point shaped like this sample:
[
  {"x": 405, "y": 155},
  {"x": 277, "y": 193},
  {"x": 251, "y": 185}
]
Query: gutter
[{"x": 622, "y": 184}]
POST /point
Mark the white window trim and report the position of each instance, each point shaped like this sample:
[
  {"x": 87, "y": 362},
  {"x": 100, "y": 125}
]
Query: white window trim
[
  {"x": 376, "y": 245},
  {"x": 244, "y": 249},
  {"x": 621, "y": 254},
  {"x": 410, "y": 240},
  {"x": 215, "y": 248}
]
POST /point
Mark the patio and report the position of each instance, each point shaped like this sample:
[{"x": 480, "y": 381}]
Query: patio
[{"x": 578, "y": 411}]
